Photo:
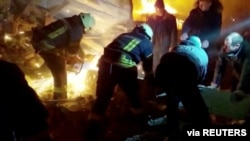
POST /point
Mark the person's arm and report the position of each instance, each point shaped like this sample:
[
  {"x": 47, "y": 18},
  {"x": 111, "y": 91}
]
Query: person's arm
[
  {"x": 220, "y": 69},
  {"x": 147, "y": 56},
  {"x": 188, "y": 22},
  {"x": 244, "y": 83},
  {"x": 147, "y": 63},
  {"x": 147, "y": 66},
  {"x": 174, "y": 35}
]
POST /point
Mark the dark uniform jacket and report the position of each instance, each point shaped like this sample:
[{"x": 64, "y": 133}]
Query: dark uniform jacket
[
  {"x": 205, "y": 25},
  {"x": 63, "y": 33},
  {"x": 128, "y": 49},
  {"x": 240, "y": 61}
]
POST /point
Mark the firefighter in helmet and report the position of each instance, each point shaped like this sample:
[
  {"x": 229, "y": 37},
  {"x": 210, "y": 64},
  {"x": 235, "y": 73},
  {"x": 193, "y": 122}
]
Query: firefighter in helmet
[
  {"x": 58, "y": 44},
  {"x": 118, "y": 66}
]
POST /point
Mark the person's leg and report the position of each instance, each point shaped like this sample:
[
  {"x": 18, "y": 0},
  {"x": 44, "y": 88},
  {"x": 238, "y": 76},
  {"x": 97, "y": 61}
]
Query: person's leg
[
  {"x": 178, "y": 75},
  {"x": 195, "y": 106},
  {"x": 172, "y": 113},
  {"x": 129, "y": 84},
  {"x": 167, "y": 74},
  {"x": 104, "y": 91},
  {"x": 57, "y": 66},
  {"x": 190, "y": 96}
]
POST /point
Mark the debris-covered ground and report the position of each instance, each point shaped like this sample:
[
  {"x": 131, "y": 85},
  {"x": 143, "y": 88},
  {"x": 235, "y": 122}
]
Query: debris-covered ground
[{"x": 68, "y": 118}]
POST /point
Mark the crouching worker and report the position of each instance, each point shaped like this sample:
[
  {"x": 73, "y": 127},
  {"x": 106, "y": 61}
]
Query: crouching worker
[
  {"x": 118, "y": 65},
  {"x": 23, "y": 115},
  {"x": 179, "y": 74},
  {"x": 234, "y": 53},
  {"x": 58, "y": 44}
]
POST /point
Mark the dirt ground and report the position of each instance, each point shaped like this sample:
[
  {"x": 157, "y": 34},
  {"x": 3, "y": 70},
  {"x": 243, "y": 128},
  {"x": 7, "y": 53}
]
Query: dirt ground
[
  {"x": 68, "y": 124},
  {"x": 68, "y": 119}
]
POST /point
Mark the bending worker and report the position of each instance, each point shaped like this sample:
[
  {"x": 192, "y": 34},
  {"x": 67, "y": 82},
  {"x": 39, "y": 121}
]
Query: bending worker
[
  {"x": 179, "y": 74},
  {"x": 58, "y": 44},
  {"x": 234, "y": 53},
  {"x": 118, "y": 65}
]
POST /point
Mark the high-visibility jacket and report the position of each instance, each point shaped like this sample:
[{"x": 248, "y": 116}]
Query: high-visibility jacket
[
  {"x": 128, "y": 49},
  {"x": 61, "y": 34}
]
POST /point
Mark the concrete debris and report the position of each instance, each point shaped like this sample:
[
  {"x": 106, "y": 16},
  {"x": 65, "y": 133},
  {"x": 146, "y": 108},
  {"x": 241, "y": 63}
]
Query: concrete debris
[{"x": 18, "y": 17}]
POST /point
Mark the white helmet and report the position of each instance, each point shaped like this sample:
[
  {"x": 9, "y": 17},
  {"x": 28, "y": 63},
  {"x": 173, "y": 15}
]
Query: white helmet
[
  {"x": 147, "y": 29},
  {"x": 88, "y": 20}
]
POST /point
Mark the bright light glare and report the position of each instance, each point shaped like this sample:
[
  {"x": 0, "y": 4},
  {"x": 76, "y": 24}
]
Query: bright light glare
[
  {"x": 78, "y": 84},
  {"x": 148, "y": 7}
]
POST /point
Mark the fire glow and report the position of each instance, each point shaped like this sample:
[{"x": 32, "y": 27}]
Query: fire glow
[
  {"x": 148, "y": 7},
  {"x": 78, "y": 84}
]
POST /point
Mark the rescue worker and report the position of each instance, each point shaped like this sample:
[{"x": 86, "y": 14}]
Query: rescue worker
[
  {"x": 58, "y": 44},
  {"x": 118, "y": 65},
  {"x": 235, "y": 53},
  {"x": 165, "y": 31},
  {"x": 23, "y": 115},
  {"x": 178, "y": 74}
]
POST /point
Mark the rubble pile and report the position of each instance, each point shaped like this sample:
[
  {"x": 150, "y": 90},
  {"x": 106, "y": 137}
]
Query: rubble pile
[{"x": 19, "y": 17}]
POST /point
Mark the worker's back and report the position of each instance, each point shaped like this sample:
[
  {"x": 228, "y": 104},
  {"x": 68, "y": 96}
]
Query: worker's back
[
  {"x": 193, "y": 50},
  {"x": 61, "y": 33},
  {"x": 135, "y": 46}
]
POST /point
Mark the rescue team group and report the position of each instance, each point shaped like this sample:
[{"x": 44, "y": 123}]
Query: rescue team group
[{"x": 175, "y": 66}]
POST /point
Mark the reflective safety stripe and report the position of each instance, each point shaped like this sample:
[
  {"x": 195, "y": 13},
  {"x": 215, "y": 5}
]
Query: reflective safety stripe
[
  {"x": 149, "y": 55},
  {"x": 124, "y": 61},
  {"x": 60, "y": 89},
  {"x": 45, "y": 46},
  {"x": 57, "y": 33},
  {"x": 131, "y": 45}
]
